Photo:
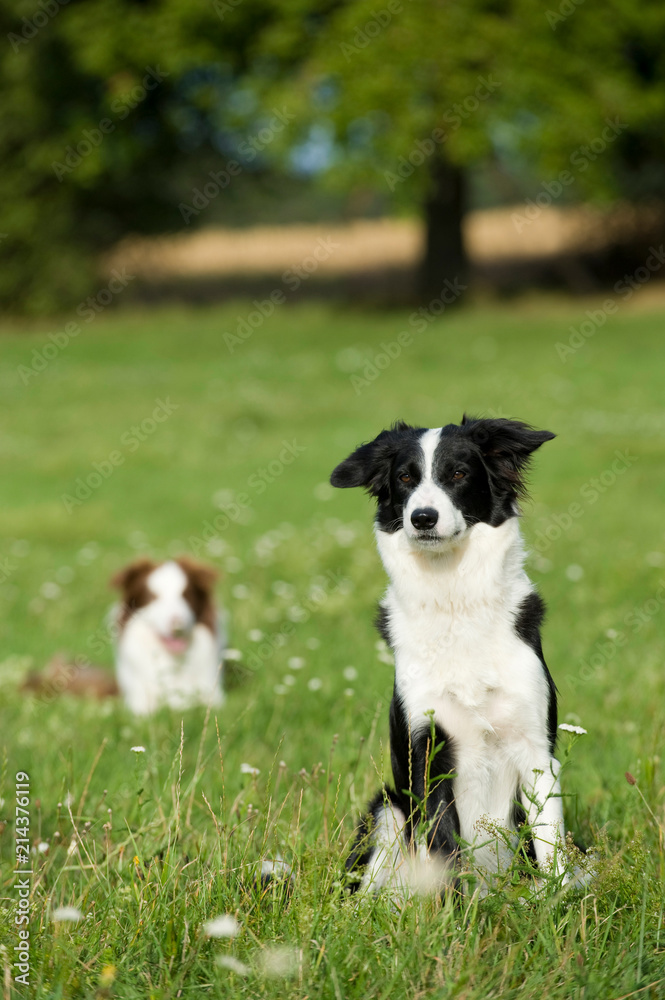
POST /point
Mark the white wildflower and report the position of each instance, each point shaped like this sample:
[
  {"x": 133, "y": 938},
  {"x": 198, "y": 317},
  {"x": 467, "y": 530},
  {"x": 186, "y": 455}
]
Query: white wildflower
[
  {"x": 232, "y": 964},
  {"x": 248, "y": 769},
  {"x": 138, "y": 749},
  {"x": 315, "y": 684},
  {"x": 277, "y": 869},
  {"x": 224, "y": 926},
  {"x": 350, "y": 673},
  {"x": 279, "y": 962},
  {"x": 323, "y": 491},
  {"x": 567, "y": 728},
  {"x": 216, "y": 547},
  {"x": 88, "y": 553},
  {"x": 66, "y": 914}
]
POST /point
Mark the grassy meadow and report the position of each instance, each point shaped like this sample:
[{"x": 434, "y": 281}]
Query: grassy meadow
[{"x": 147, "y": 435}]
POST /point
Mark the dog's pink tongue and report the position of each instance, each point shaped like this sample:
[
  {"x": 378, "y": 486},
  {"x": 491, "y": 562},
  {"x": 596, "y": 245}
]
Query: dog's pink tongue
[{"x": 175, "y": 644}]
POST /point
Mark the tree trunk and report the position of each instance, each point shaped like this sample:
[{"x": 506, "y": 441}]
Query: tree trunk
[{"x": 445, "y": 262}]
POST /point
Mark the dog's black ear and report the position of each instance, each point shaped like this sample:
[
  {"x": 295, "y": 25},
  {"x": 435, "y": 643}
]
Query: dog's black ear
[
  {"x": 506, "y": 446},
  {"x": 369, "y": 465}
]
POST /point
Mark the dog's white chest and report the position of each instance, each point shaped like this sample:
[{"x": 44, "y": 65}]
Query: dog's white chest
[
  {"x": 452, "y": 627},
  {"x": 460, "y": 662},
  {"x": 486, "y": 690},
  {"x": 476, "y": 676}
]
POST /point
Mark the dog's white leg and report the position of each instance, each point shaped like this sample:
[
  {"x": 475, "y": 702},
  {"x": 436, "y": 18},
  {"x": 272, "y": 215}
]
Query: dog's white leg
[
  {"x": 544, "y": 809},
  {"x": 385, "y": 868},
  {"x": 138, "y": 699},
  {"x": 140, "y": 692}
]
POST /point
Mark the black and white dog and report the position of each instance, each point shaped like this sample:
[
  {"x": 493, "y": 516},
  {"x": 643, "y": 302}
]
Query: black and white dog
[{"x": 473, "y": 717}]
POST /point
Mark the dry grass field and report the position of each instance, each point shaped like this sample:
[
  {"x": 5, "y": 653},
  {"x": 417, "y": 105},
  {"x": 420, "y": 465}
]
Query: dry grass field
[{"x": 367, "y": 245}]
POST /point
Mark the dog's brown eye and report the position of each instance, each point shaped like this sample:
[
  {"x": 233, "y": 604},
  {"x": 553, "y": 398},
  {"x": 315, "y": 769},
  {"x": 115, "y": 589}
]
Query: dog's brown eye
[
  {"x": 405, "y": 477},
  {"x": 459, "y": 475}
]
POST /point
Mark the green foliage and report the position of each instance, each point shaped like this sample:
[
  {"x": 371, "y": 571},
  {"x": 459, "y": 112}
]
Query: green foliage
[
  {"x": 100, "y": 103},
  {"x": 387, "y": 76},
  {"x": 375, "y": 80},
  {"x": 197, "y": 824}
]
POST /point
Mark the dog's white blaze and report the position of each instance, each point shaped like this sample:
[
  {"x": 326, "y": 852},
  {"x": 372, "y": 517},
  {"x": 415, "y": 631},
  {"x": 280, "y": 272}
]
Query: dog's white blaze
[
  {"x": 452, "y": 615},
  {"x": 428, "y": 442},
  {"x": 430, "y": 494},
  {"x": 167, "y": 580},
  {"x": 169, "y": 611}
]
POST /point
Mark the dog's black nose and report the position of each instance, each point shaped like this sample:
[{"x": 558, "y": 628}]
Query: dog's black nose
[{"x": 424, "y": 518}]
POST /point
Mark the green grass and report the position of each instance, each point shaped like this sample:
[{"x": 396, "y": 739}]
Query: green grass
[{"x": 299, "y": 552}]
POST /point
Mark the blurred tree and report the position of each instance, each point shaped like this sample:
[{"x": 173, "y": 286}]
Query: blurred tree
[
  {"x": 415, "y": 95},
  {"x": 104, "y": 104},
  {"x": 100, "y": 102}
]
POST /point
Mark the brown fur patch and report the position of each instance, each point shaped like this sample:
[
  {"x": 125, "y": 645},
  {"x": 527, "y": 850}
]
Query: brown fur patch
[
  {"x": 199, "y": 592},
  {"x": 131, "y": 582},
  {"x": 62, "y": 676}
]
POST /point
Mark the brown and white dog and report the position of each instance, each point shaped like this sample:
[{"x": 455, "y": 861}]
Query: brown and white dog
[{"x": 169, "y": 637}]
